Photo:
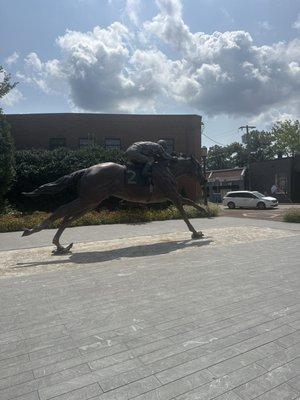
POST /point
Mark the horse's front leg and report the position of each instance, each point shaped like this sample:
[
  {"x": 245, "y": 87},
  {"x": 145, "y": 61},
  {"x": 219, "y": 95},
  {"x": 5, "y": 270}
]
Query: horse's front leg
[
  {"x": 190, "y": 202},
  {"x": 179, "y": 204}
]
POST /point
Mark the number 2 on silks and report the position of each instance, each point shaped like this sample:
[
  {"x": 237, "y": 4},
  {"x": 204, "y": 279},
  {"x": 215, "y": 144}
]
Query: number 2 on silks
[{"x": 131, "y": 177}]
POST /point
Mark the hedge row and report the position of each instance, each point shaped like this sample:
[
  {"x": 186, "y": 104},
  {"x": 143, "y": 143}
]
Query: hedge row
[
  {"x": 37, "y": 167},
  {"x": 18, "y": 221}
]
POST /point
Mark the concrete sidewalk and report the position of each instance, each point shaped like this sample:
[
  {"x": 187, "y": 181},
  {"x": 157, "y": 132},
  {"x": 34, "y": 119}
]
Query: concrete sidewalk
[
  {"x": 154, "y": 317},
  {"x": 14, "y": 240}
]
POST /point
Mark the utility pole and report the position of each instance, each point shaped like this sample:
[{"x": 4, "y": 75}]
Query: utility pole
[
  {"x": 247, "y": 127},
  {"x": 203, "y": 158}
]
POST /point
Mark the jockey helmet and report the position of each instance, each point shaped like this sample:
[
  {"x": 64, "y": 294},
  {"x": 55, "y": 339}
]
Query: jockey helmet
[{"x": 163, "y": 144}]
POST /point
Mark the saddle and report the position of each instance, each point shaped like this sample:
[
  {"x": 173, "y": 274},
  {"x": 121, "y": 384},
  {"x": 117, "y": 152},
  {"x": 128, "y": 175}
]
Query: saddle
[{"x": 134, "y": 176}]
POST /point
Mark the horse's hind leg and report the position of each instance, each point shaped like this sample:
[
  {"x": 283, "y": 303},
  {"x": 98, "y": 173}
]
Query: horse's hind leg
[
  {"x": 81, "y": 209},
  {"x": 65, "y": 222},
  {"x": 85, "y": 207},
  {"x": 62, "y": 211},
  {"x": 59, "y": 248}
]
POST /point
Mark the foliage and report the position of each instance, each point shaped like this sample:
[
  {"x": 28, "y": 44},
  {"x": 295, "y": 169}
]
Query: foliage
[
  {"x": 284, "y": 139},
  {"x": 292, "y": 215},
  {"x": 6, "y": 159},
  {"x": 259, "y": 145},
  {"x": 5, "y": 85},
  {"x": 287, "y": 137},
  {"x": 233, "y": 155},
  {"x": 16, "y": 221},
  {"x": 237, "y": 155},
  {"x": 37, "y": 167},
  {"x": 217, "y": 158},
  {"x": 6, "y": 142}
]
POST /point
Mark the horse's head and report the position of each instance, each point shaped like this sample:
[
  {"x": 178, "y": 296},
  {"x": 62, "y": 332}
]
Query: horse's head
[{"x": 198, "y": 171}]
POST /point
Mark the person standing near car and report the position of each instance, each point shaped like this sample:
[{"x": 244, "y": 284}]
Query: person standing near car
[{"x": 274, "y": 189}]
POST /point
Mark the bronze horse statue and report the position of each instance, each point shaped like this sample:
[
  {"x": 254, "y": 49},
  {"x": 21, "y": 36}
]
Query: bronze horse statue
[{"x": 98, "y": 182}]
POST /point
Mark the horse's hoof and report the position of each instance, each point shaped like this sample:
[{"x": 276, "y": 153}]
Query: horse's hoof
[
  {"x": 68, "y": 248},
  {"x": 62, "y": 250},
  {"x": 26, "y": 232},
  {"x": 197, "y": 235}
]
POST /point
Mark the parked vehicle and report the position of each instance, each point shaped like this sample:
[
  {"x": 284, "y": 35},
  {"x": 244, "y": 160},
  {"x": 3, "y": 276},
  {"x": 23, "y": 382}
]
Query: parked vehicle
[{"x": 249, "y": 199}]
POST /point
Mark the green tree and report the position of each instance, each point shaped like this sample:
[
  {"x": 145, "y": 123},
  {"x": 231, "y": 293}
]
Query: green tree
[
  {"x": 6, "y": 142},
  {"x": 237, "y": 155},
  {"x": 218, "y": 158},
  {"x": 5, "y": 85},
  {"x": 259, "y": 145},
  {"x": 287, "y": 137},
  {"x": 230, "y": 156}
]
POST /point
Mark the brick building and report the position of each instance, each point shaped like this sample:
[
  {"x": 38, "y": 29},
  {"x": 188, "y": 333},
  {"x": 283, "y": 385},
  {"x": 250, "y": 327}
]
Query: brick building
[
  {"x": 284, "y": 172},
  {"x": 73, "y": 130},
  {"x": 259, "y": 176}
]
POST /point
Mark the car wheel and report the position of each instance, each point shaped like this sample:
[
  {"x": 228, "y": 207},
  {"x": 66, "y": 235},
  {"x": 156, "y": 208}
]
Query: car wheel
[
  {"x": 261, "y": 205},
  {"x": 231, "y": 205}
]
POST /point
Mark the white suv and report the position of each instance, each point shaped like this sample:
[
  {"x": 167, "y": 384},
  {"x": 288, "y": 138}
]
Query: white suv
[{"x": 249, "y": 199}]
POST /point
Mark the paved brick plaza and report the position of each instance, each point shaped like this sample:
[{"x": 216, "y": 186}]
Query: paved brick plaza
[{"x": 159, "y": 317}]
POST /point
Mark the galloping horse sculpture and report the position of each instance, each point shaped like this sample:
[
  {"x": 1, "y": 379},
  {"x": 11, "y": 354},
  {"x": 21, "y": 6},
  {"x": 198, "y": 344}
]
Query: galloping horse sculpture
[{"x": 98, "y": 182}]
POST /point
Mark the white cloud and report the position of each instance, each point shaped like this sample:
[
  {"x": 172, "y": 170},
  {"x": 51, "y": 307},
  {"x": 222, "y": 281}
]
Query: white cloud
[
  {"x": 33, "y": 61},
  {"x": 96, "y": 67},
  {"x": 231, "y": 75},
  {"x": 132, "y": 9},
  {"x": 12, "y": 59},
  {"x": 111, "y": 69},
  {"x": 11, "y": 98},
  {"x": 296, "y": 24},
  {"x": 47, "y": 76}
]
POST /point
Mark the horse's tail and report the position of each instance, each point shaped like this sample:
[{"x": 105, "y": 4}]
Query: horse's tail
[{"x": 57, "y": 186}]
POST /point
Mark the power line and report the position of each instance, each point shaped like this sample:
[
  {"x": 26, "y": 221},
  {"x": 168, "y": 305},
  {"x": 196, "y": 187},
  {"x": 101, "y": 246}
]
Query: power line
[
  {"x": 215, "y": 141},
  {"x": 224, "y": 133}
]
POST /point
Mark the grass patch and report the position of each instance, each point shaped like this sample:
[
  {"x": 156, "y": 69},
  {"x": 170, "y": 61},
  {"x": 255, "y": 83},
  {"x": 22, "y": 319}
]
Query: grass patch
[
  {"x": 16, "y": 221},
  {"x": 292, "y": 215}
]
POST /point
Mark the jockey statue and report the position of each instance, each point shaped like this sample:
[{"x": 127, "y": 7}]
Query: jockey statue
[{"x": 147, "y": 153}]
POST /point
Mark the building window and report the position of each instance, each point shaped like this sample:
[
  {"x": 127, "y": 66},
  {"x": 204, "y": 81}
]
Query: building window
[
  {"x": 86, "y": 142},
  {"x": 54, "y": 143},
  {"x": 170, "y": 145},
  {"x": 112, "y": 144}
]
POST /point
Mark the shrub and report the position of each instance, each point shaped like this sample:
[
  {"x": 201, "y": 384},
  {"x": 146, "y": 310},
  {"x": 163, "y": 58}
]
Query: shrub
[
  {"x": 17, "y": 221},
  {"x": 6, "y": 159},
  {"x": 292, "y": 215},
  {"x": 37, "y": 167}
]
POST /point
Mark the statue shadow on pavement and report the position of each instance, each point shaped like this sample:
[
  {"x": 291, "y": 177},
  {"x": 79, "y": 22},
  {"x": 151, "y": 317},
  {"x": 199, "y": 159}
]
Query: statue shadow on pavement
[{"x": 91, "y": 257}]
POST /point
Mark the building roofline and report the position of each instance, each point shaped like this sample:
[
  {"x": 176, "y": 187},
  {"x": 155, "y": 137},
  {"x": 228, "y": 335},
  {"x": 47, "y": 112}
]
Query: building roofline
[
  {"x": 274, "y": 159},
  {"x": 227, "y": 169},
  {"x": 106, "y": 114}
]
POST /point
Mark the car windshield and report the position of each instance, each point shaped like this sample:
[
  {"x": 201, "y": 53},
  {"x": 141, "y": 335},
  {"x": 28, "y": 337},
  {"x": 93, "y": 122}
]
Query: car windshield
[{"x": 258, "y": 194}]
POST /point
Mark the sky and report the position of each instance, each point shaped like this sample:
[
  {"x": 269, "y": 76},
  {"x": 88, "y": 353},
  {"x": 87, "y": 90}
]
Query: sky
[{"x": 234, "y": 62}]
